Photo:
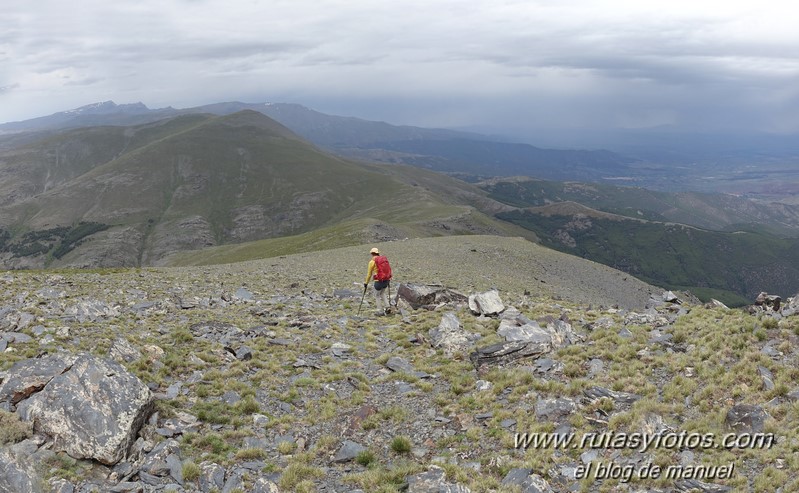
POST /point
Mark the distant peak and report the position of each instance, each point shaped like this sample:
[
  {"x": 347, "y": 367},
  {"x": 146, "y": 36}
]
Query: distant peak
[{"x": 105, "y": 107}]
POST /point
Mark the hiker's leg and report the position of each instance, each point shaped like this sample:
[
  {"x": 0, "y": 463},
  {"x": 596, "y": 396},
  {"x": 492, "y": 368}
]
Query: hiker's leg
[
  {"x": 384, "y": 299},
  {"x": 379, "y": 300}
]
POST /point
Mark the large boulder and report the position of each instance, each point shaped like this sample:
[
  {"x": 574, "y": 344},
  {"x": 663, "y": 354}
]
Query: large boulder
[
  {"x": 93, "y": 408},
  {"x": 426, "y": 295},
  {"x": 29, "y": 376},
  {"x": 487, "y": 304},
  {"x": 766, "y": 303}
]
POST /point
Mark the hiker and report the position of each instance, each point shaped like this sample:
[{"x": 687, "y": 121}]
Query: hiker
[{"x": 380, "y": 271}]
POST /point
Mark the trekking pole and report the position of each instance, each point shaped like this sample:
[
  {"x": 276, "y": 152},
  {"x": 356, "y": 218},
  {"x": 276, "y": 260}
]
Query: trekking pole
[{"x": 362, "y": 297}]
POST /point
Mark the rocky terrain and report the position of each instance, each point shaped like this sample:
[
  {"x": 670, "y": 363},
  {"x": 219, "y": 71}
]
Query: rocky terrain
[{"x": 270, "y": 376}]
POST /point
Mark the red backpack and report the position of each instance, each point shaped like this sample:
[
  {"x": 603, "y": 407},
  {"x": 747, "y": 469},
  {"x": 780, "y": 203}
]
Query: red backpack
[{"x": 383, "y": 268}]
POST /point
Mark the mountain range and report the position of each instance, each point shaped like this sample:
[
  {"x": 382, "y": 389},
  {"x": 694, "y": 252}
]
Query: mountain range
[
  {"x": 111, "y": 185},
  {"x": 144, "y": 191},
  {"x": 463, "y": 153}
]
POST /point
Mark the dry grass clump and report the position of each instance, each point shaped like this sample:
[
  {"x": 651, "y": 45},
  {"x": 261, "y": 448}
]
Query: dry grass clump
[{"x": 12, "y": 430}]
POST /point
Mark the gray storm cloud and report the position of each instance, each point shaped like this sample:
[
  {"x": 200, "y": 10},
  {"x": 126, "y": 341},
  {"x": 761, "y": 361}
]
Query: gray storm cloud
[{"x": 509, "y": 65}]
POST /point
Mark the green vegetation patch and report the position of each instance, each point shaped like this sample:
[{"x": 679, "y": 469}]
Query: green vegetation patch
[{"x": 674, "y": 256}]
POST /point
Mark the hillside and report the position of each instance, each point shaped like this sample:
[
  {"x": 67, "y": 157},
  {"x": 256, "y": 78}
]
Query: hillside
[
  {"x": 437, "y": 149},
  {"x": 262, "y": 377},
  {"x": 129, "y": 196},
  {"x": 715, "y": 245},
  {"x": 715, "y": 211}
]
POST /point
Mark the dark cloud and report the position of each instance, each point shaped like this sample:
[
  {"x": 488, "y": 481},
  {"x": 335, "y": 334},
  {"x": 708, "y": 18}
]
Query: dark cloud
[{"x": 513, "y": 64}]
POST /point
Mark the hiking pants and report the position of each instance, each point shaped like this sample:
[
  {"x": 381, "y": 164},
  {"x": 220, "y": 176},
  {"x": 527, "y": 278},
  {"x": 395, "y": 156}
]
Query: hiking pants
[{"x": 381, "y": 295}]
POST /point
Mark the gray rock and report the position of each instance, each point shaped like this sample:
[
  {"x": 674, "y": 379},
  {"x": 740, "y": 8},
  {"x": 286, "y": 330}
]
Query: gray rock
[
  {"x": 771, "y": 352},
  {"x": 144, "y": 307},
  {"x": 50, "y": 293},
  {"x": 714, "y": 303},
  {"x": 175, "y": 467},
  {"x": 618, "y": 397},
  {"x": 746, "y": 418},
  {"x": 601, "y": 323},
  {"x": 433, "y": 481},
  {"x": 92, "y": 411},
  {"x": 528, "y": 482},
  {"x": 768, "y": 378},
  {"x": 349, "y": 451},
  {"x": 234, "y": 481},
  {"x": 263, "y": 485},
  {"x": 61, "y": 486},
  {"x": 595, "y": 367},
  {"x": 127, "y": 487},
  {"x": 212, "y": 477},
  {"x": 694, "y": 485},
  {"x": 123, "y": 351},
  {"x": 346, "y": 293},
  {"x": 339, "y": 349},
  {"x": 450, "y": 336},
  {"x": 244, "y": 353},
  {"x": 488, "y": 304},
  {"x": 530, "y": 332},
  {"x": 17, "y": 473},
  {"x": 483, "y": 385},
  {"x": 244, "y": 294},
  {"x": 231, "y": 397},
  {"x": 791, "y": 306},
  {"x": 91, "y": 311},
  {"x": 503, "y": 353},
  {"x": 29, "y": 376},
  {"x": 554, "y": 409},
  {"x": 507, "y": 423},
  {"x": 397, "y": 364},
  {"x": 418, "y": 296},
  {"x": 562, "y": 333}
]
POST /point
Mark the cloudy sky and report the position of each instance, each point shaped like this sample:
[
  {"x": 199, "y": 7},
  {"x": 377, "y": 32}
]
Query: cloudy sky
[{"x": 513, "y": 66}]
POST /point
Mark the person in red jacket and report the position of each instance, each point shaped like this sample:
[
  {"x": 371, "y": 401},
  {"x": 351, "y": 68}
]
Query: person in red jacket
[{"x": 379, "y": 270}]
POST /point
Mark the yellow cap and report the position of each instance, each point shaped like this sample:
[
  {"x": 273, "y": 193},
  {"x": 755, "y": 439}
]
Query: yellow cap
[{"x": 374, "y": 250}]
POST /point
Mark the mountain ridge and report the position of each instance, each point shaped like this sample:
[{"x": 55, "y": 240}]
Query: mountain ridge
[
  {"x": 355, "y": 138},
  {"x": 203, "y": 180}
]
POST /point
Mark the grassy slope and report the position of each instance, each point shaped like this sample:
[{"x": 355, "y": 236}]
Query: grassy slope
[
  {"x": 635, "y": 233},
  {"x": 737, "y": 265},
  {"x": 712, "y": 362},
  {"x": 212, "y": 167}
]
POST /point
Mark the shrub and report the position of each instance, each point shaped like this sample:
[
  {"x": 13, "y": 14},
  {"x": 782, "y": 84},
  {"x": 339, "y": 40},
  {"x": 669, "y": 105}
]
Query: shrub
[
  {"x": 401, "y": 445},
  {"x": 12, "y": 430}
]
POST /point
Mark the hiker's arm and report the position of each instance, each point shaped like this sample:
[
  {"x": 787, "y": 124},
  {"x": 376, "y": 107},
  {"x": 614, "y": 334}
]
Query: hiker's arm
[{"x": 372, "y": 267}]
